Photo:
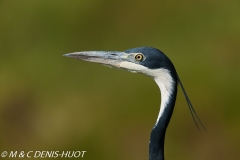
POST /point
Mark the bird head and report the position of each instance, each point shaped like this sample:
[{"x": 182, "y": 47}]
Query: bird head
[{"x": 146, "y": 60}]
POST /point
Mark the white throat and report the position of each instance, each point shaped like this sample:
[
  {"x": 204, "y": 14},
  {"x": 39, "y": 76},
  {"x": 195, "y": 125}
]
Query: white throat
[
  {"x": 161, "y": 76},
  {"x": 165, "y": 82}
]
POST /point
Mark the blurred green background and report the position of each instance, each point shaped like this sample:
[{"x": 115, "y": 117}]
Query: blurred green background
[{"x": 50, "y": 102}]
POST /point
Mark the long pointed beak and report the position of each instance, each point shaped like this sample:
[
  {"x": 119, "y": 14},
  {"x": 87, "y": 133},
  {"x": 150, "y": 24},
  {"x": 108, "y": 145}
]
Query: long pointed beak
[{"x": 113, "y": 59}]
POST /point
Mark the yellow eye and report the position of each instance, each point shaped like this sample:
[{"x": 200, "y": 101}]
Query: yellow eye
[{"x": 139, "y": 57}]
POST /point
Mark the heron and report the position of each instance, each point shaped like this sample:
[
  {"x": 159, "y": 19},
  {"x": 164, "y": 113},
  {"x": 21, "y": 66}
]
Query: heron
[{"x": 154, "y": 63}]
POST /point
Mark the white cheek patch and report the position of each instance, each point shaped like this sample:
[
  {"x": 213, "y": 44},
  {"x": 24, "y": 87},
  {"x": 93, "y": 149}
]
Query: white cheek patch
[{"x": 132, "y": 66}]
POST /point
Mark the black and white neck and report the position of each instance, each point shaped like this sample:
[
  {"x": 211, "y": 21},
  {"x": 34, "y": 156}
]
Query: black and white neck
[{"x": 167, "y": 82}]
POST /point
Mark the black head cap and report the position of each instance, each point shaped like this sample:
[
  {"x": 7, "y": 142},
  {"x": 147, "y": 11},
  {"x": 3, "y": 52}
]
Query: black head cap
[{"x": 154, "y": 58}]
